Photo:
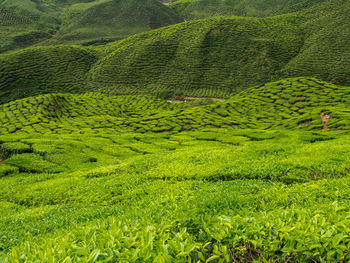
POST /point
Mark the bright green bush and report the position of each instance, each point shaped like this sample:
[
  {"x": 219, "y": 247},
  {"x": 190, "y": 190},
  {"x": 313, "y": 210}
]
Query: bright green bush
[
  {"x": 30, "y": 162},
  {"x": 9, "y": 148},
  {"x": 7, "y": 170}
]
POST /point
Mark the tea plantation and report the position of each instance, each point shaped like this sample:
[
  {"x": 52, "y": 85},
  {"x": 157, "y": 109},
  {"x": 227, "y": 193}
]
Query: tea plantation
[
  {"x": 194, "y": 9},
  {"x": 216, "y": 57},
  {"x": 262, "y": 176},
  {"x": 25, "y": 23},
  {"x": 133, "y": 131}
]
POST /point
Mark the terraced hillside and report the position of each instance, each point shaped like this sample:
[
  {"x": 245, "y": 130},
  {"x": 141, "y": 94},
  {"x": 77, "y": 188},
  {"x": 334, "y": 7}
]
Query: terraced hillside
[
  {"x": 195, "y": 9},
  {"x": 217, "y": 140},
  {"x": 103, "y": 21},
  {"x": 293, "y": 103},
  {"x": 82, "y": 21},
  {"x": 227, "y": 55},
  {"x": 44, "y": 69},
  {"x": 18, "y": 30},
  {"x": 101, "y": 178},
  {"x": 207, "y": 58}
]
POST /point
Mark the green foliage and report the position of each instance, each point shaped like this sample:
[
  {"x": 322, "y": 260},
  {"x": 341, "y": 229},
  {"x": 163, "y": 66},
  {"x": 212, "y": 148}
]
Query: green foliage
[
  {"x": 44, "y": 69},
  {"x": 267, "y": 196},
  {"x": 6, "y": 169},
  {"x": 195, "y": 9},
  {"x": 297, "y": 103},
  {"x": 29, "y": 162},
  {"x": 96, "y": 177},
  {"x": 94, "y": 172},
  {"x": 216, "y": 57},
  {"x": 25, "y": 22},
  {"x": 10, "y": 148}
]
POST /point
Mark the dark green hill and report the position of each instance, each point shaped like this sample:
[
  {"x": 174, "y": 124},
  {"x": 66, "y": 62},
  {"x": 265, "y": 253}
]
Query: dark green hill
[
  {"x": 194, "y": 9},
  {"x": 216, "y": 57},
  {"x": 221, "y": 56},
  {"x": 44, "y": 69},
  {"x": 18, "y": 30},
  {"x": 80, "y": 21},
  {"x": 114, "y": 19}
]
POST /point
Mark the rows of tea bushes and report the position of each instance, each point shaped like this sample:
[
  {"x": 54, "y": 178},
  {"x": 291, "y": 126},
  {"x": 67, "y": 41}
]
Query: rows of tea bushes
[
  {"x": 216, "y": 57},
  {"x": 17, "y": 30},
  {"x": 78, "y": 22},
  {"x": 43, "y": 70},
  {"x": 222, "y": 54},
  {"x": 103, "y": 21},
  {"x": 298, "y": 103},
  {"x": 231, "y": 54},
  {"x": 219, "y": 195},
  {"x": 9, "y": 18},
  {"x": 195, "y": 9}
]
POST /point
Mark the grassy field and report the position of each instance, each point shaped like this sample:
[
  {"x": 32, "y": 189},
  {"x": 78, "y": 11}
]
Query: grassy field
[{"x": 100, "y": 178}]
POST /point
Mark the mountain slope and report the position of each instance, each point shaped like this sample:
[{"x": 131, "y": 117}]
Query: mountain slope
[
  {"x": 113, "y": 19},
  {"x": 44, "y": 69},
  {"x": 215, "y": 57},
  {"x": 80, "y": 21},
  {"x": 195, "y": 9},
  {"x": 222, "y": 54},
  {"x": 18, "y": 30}
]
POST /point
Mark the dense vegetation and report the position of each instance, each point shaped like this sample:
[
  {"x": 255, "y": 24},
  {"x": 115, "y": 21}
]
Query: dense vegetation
[
  {"x": 26, "y": 22},
  {"x": 293, "y": 103},
  {"x": 44, "y": 69},
  {"x": 99, "y": 178},
  {"x": 227, "y": 55},
  {"x": 215, "y": 57},
  {"x": 225, "y": 139},
  {"x": 194, "y": 9}
]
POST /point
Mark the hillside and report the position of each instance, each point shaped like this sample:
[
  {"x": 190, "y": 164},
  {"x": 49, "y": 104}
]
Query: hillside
[
  {"x": 44, "y": 69},
  {"x": 18, "y": 30},
  {"x": 223, "y": 139},
  {"x": 196, "y": 9},
  {"x": 297, "y": 103},
  {"x": 78, "y": 22},
  {"x": 216, "y": 57},
  {"x": 103, "y": 21},
  {"x": 101, "y": 178},
  {"x": 223, "y": 56}
]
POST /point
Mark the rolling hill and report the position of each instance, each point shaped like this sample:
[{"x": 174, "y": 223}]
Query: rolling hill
[
  {"x": 216, "y": 57},
  {"x": 224, "y": 139},
  {"x": 78, "y": 22},
  {"x": 298, "y": 103},
  {"x": 230, "y": 54},
  {"x": 44, "y": 69},
  {"x": 101, "y": 178},
  {"x": 196, "y": 9}
]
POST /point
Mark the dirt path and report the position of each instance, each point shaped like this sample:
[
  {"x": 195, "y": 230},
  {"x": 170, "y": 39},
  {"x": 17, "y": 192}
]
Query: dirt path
[
  {"x": 182, "y": 99},
  {"x": 325, "y": 119}
]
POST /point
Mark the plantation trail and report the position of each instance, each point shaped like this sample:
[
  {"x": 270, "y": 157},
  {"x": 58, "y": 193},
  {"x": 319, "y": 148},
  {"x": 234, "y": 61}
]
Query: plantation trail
[
  {"x": 325, "y": 119},
  {"x": 183, "y": 99}
]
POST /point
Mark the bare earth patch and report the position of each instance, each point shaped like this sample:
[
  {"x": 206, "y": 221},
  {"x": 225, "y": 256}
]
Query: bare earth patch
[{"x": 325, "y": 119}]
